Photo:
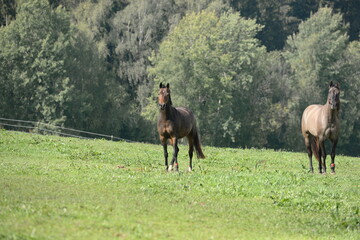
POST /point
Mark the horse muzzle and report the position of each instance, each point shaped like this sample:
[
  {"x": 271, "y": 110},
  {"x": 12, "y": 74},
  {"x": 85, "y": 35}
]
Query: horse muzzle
[
  {"x": 334, "y": 106},
  {"x": 162, "y": 106}
]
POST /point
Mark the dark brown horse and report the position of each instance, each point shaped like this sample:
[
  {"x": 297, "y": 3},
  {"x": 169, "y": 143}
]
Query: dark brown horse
[
  {"x": 173, "y": 124},
  {"x": 321, "y": 122}
]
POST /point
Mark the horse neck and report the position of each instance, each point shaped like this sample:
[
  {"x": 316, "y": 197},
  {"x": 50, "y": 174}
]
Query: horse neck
[
  {"x": 332, "y": 114},
  {"x": 167, "y": 113}
]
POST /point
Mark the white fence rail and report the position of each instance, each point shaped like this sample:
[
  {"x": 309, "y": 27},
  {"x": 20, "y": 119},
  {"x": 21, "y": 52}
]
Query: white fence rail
[{"x": 41, "y": 128}]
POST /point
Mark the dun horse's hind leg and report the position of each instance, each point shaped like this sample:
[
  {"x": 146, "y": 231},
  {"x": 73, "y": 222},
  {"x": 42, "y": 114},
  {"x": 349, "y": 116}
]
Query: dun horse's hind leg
[
  {"x": 332, "y": 165},
  {"x": 308, "y": 148},
  {"x": 191, "y": 151},
  {"x": 320, "y": 164},
  {"x": 323, "y": 155}
]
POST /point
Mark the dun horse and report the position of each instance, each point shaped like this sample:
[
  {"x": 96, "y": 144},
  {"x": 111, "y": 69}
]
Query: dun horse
[
  {"x": 321, "y": 122},
  {"x": 173, "y": 124}
]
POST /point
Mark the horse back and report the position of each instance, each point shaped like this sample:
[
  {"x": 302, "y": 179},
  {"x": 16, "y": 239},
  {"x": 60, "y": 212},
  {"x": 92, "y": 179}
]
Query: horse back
[
  {"x": 313, "y": 120},
  {"x": 185, "y": 121},
  {"x": 179, "y": 123}
]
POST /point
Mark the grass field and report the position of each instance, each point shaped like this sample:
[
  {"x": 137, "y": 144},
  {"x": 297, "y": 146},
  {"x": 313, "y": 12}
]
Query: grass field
[{"x": 65, "y": 188}]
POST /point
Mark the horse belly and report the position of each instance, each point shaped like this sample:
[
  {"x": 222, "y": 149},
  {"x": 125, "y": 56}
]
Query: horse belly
[
  {"x": 186, "y": 122},
  {"x": 185, "y": 132}
]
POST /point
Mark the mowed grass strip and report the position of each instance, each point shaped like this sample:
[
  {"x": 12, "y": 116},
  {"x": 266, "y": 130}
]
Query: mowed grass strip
[{"x": 66, "y": 188}]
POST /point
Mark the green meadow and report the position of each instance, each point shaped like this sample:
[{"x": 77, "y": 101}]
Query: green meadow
[{"x": 66, "y": 188}]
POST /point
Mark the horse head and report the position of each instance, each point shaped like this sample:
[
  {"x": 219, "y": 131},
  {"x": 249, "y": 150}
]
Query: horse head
[
  {"x": 164, "y": 98},
  {"x": 334, "y": 96}
]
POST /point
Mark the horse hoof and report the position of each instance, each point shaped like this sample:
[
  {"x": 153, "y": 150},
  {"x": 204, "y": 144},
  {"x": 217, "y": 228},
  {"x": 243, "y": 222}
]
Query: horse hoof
[
  {"x": 190, "y": 169},
  {"x": 170, "y": 168},
  {"x": 333, "y": 173}
]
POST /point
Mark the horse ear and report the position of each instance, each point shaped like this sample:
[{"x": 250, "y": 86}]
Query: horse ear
[
  {"x": 331, "y": 84},
  {"x": 161, "y": 85},
  {"x": 168, "y": 85},
  {"x": 337, "y": 85}
]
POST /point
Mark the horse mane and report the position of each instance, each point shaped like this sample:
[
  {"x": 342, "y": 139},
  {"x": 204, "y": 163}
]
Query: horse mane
[{"x": 170, "y": 102}]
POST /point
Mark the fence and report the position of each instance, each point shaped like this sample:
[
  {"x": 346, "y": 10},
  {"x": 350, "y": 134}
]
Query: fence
[{"x": 43, "y": 128}]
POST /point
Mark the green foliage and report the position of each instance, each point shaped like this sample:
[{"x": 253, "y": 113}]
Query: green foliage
[
  {"x": 7, "y": 11},
  {"x": 137, "y": 30},
  {"x": 34, "y": 47},
  {"x": 314, "y": 51},
  {"x": 318, "y": 54},
  {"x": 314, "y": 54},
  {"x": 99, "y": 102},
  {"x": 85, "y": 64},
  {"x": 274, "y": 15},
  {"x": 212, "y": 64},
  {"x": 349, "y": 70},
  {"x": 56, "y": 188}
]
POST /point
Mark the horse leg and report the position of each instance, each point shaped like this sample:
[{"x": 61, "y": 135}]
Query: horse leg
[
  {"x": 309, "y": 151},
  {"x": 164, "y": 144},
  {"x": 332, "y": 165},
  {"x": 320, "y": 164},
  {"x": 166, "y": 155},
  {"x": 191, "y": 151},
  {"x": 175, "y": 153},
  {"x": 323, "y": 155}
]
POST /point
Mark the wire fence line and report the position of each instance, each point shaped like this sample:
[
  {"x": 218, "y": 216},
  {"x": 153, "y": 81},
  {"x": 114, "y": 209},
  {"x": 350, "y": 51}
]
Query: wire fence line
[{"x": 41, "y": 128}]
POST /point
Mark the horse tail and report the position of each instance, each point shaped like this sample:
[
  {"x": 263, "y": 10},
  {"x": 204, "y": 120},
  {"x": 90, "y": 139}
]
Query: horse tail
[
  {"x": 315, "y": 147},
  {"x": 197, "y": 145}
]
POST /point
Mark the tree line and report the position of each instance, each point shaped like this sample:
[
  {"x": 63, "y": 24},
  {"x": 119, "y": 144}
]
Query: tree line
[{"x": 246, "y": 68}]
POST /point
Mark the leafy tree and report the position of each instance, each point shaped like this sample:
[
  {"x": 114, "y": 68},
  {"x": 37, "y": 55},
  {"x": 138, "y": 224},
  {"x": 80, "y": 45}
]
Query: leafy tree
[
  {"x": 282, "y": 18},
  {"x": 350, "y": 102},
  {"x": 135, "y": 32},
  {"x": 270, "y": 13},
  {"x": 33, "y": 50},
  {"x": 313, "y": 54},
  {"x": 348, "y": 8},
  {"x": 97, "y": 36},
  {"x": 7, "y": 11},
  {"x": 55, "y": 73},
  {"x": 314, "y": 51},
  {"x": 214, "y": 66},
  {"x": 279, "y": 77}
]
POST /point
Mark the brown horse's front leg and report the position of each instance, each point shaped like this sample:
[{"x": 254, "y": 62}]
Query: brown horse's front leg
[
  {"x": 174, "y": 142},
  {"x": 164, "y": 144},
  {"x": 332, "y": 165},
  {"x": 166, "y": 155}
]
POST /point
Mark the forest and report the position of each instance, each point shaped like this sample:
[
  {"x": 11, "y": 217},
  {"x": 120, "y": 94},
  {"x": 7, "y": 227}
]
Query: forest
[{"x": 246, "y": 68}]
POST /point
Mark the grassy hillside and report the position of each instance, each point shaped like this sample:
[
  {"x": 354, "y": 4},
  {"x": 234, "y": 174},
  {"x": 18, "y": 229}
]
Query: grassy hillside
[{"x": 66, "y": 188}]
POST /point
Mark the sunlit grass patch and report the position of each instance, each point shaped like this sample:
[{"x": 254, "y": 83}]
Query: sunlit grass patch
[{"x": 53, "y": 187}]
